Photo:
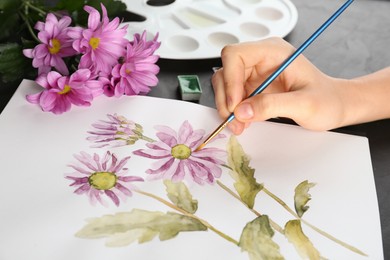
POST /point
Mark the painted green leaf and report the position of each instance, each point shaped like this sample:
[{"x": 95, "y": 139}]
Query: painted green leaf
[
  {"x": 124, "y": 228},
  {"x": 294, "y": 234},
  {"x": 302, "y": 197},
  {"x": 256, "y": 239},
  {"x": 179, "y": 194},
  {"x": 245, "y": 182}
]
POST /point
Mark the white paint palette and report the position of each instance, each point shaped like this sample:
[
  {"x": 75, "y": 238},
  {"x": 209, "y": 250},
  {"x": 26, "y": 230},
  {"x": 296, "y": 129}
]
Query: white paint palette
[{"x": 198, "y": 29}]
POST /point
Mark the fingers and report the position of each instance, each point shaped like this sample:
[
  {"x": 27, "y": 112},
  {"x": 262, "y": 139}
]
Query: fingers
[
  {"x": 221, "y": 103},
  {"x": 306, "y": 107},
  {"x": 266, "y": 106},
  {"x": 246, "y": 65}
]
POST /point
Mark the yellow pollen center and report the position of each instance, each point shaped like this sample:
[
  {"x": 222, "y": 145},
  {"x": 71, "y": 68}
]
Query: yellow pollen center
[
  {"x": 102, "y": 180},
  {"x": 94, "y": 42},
  {"x": 128, "y": 71},
  {"x": 66, "y": 89},
  {"x": 181, "y": 151},
  {"x": 55, "y": 46}
]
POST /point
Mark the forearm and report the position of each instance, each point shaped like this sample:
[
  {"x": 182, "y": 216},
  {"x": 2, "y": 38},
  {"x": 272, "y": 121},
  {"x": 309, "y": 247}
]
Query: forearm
[{"x": 367, "y": 98}]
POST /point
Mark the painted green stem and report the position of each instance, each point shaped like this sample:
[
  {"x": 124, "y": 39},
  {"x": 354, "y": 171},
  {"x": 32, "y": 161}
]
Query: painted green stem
[
  {"x": 272, "y": 223},
  {"x": 147, "y": 139},
  {"x": 284, "y": 205},
  {"x": 208, "y": 225}
]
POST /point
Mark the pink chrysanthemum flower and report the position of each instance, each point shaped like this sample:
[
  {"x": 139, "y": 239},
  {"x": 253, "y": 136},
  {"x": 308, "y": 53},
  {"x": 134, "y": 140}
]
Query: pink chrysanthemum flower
[
  {"x": 105, "y": 176},
  {"x": 101, "y": 44},
  {"x": 116, "y": 131},
  {"x": 108, "y": 84},
  {"x": 60, "y": 92},
  {"x": 177, "y": 158},
  {"x": 55, "y": 45},
  {"x": 137, "y": 74}
]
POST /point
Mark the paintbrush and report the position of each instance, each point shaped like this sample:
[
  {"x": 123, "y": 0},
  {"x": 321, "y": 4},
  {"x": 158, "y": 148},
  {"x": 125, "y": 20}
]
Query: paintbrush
[{"x": 280, "y": 69}]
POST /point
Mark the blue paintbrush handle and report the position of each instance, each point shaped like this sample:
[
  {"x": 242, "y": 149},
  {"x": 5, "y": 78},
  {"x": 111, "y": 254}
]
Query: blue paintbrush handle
[{"x": 296, "y": 53}]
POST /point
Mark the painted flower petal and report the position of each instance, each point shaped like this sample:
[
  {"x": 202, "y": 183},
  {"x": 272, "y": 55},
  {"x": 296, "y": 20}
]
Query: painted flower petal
[
  {"x": 96, "y": 168},
  {"x": 202, "y": 166}
]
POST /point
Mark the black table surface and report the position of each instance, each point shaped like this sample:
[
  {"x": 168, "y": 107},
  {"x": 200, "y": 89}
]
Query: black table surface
[{"x": 355, "y": 44}]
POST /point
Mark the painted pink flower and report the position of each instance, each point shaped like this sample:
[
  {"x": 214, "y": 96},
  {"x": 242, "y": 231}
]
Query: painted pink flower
[
  {"x": 137, "y": 74},
  {"x": 60, "y": 92},
  {"x": 105, "y": 176},
  {"x": 55, "y": 45},
  {"x": 176, "y": 158},
  {"x": 116, "y": 131},
  {"x": 101, "y": 44}
]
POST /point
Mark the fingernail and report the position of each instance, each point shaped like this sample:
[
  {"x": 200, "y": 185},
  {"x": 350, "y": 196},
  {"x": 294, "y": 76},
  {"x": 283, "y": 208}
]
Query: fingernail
[{"x": 244, "y": 111}]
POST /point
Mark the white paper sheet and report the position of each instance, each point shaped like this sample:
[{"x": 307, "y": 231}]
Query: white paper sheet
[{"x": 40, "y": 214}]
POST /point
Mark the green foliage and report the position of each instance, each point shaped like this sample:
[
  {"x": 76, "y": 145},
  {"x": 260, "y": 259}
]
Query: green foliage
[
  {"x": 242, "y": 173},
  {"x": 256, "y": 239},
  {"x": 125, "y": 228},
  {"x": 12, "y": 62},
  {"x": 302, "y": 197},
  {"x": 294, "y": 234},
  {"x": 179, "y": 194},
  {"x": 75, "y": 8}
]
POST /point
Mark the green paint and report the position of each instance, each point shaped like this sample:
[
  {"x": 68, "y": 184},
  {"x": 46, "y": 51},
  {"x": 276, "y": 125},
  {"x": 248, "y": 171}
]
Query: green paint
[
  {"x": 256, "y": 239},
  {"x": 181, "y": 151},
  {"x": 245, "y": 182},
  {"x": 179, "y": 194},
  {"x": 102, "y": 180},
  {"x": 302, "y": 197},
  {"x": 124, "y": 228},
  {"x": 294, "y": 234},
  {"x": 190, "y": 87}
]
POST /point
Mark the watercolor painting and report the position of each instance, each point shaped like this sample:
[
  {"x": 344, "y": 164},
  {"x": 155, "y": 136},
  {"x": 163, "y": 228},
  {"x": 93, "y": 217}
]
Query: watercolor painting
[
  {"x": 124, "y": 184},
  {"x": 174, "y": 158}
]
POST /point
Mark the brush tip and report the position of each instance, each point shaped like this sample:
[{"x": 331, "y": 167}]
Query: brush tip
[{"x": 200, "y": 147}]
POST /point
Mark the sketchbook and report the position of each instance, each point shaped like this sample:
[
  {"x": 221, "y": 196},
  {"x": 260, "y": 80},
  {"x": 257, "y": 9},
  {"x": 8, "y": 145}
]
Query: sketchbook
[{"x": 120, "y": 180}]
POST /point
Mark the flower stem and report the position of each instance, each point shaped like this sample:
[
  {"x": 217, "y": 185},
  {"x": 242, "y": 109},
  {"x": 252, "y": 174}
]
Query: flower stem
[
  {"x": 33, "y": 7},
  {"x": 29, "y": 27},
  {"x": 272, "y": 223},
  {"x": 325, "y": 234},
  {"x": 147, "y": 139},
  {"x": 208, "y": 225}
]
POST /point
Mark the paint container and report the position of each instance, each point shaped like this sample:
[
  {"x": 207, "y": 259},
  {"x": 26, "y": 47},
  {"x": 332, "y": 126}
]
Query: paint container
[{"x": 190, "y": 87}]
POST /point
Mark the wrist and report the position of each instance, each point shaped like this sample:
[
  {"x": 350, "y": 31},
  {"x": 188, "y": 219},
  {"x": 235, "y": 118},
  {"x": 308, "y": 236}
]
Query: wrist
[{"x": 366, "y": 98}]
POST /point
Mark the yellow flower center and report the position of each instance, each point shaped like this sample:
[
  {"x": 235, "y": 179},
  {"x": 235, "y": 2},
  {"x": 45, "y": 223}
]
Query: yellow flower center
[
  {"x": 66, "y": 89},
  {"x": 128, "y": 71},
  {"x": 181, "y": 151},
  {"x": 102, "y": 180},
  {"x": 55, "y": 46},
  {"x": 94, "y": 42}
]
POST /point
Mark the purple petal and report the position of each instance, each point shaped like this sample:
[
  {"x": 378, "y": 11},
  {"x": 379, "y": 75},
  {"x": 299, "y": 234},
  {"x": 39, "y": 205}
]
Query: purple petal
[
  {"x": 130, "y": 178},
  {"x": 167, "y": 139},
  {"x": 147, "y": 154},
  {"x": 112, "y": 196},
  {"x": 185, "y": 132},
  {"x": 34, "y": 98},
  {"x": 121, "y": 164},
  {"x": 162, "y": 166},
  {"x": 179, "y": 173},
  {"x": 83, "y": 189},
  {"x": 123, "y": 189}
]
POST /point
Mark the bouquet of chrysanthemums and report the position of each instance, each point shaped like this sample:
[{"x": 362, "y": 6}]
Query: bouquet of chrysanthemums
[{"x": 77, "y": 64}]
